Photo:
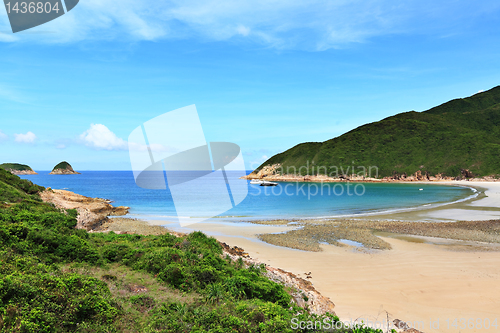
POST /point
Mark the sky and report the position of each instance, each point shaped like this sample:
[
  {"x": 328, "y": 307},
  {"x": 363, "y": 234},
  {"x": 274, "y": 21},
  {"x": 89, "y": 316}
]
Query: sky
[{"x": 266, "y": 75}]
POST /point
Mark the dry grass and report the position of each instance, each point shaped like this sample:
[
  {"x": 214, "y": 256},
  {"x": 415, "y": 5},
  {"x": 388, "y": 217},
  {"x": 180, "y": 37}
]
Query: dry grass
[
  {"x": 125, "y": 283},
  {"x": 133, "y": 226}
]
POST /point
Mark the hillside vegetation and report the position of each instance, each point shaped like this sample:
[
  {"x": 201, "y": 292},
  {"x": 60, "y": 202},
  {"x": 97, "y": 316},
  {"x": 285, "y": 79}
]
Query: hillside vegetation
[
  {"x": 63, "y": 165},
  {"x": 55, "y": 278},
  {"x": 463, "y": 134},
  {"x": 15, "y": 166}
]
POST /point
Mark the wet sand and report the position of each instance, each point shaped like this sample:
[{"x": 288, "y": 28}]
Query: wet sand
[{"x": 485, "y": 207}]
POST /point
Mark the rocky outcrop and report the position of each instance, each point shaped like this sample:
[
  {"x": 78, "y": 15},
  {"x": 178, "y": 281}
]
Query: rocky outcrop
[
  {"x": 22, "y": 172},
  {"x": 64, "y": 172},
  {"x": 63, "y": 168},
  {"x": 417, "y": 176},
  {"x": 466, "y": 173},
  {"x": 267, "y": 171},
  {"x": 92, "y": 212},
  {"x": 303, "y": 293},
  {"x": 272, "y": 173}
]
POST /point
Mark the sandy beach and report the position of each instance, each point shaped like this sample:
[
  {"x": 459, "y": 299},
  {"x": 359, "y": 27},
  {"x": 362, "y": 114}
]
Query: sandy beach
[{"x": 420, "y": 280}]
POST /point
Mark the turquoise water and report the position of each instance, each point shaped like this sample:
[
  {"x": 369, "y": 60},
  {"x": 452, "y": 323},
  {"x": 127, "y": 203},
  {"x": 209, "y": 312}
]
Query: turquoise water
[{"x": 285, "y": 200}]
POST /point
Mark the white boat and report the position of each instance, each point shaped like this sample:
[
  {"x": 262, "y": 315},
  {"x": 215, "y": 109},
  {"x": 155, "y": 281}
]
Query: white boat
[
  {"x": 256, "y": 182},
  {"x": 266, "y": 183}
]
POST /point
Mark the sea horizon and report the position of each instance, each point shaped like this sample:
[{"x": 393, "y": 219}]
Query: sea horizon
[{"x": 290, "y": 200}]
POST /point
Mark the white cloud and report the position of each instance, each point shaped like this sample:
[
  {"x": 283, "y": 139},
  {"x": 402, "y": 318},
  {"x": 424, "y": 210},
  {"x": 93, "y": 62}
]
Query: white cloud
[
  {"x": 29, "y": 137},
  {"x": 242, "y": 30},
  {"x": 3, "y": 136},
  {"x": 99, "y": 136},
  {"x": 312, "y": 24}
]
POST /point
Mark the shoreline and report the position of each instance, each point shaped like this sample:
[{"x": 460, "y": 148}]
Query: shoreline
[{"x": 419, "y": 279}]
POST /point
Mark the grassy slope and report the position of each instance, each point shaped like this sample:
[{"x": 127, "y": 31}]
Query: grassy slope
[
  {"x": 15, "y": 166},
  {"x": 460, "y": 134},
  {"x": 54, "y": 278}
]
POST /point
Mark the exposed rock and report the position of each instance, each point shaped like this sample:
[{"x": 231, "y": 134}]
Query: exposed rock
[
  {"x": 135, "y": 288},
  {"x": 272, "y": 173},
  {"x": 401, "y": 325},
  {"x": 236, "y": 251},
  {"x": 63, "y": 168},
  {"x": 466, "y": 173},
  {"x": 92, "y": 212},
  {"x": 268, "y": 170},
  {"x": 22, "y": 172}
]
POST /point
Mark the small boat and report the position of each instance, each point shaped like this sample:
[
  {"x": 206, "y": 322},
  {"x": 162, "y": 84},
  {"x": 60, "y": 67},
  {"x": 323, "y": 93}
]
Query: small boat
[
  {"x": 266, "y": 183},
  {"x": 256, "y": 182}
]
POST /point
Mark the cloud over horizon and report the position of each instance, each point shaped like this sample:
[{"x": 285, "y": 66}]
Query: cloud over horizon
[
  {"x": 29, "y": 137},
  {"x": 98, "y": 136}
]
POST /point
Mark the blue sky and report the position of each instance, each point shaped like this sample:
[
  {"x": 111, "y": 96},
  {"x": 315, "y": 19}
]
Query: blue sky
[{"x": 266, "y": 75}]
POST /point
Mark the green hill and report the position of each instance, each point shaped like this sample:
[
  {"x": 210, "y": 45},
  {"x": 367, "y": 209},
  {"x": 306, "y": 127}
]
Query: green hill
[
  {"x": 63, "y": 165},
  {"x": 15, "y": 166},
  {"x": 63, "y": 168},
  {"x": 462, "y": 134}
]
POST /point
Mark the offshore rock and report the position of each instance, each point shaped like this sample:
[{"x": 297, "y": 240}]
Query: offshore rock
[{"x": 63, "y": 168}]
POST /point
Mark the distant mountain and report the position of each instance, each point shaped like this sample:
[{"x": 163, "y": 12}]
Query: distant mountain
[
  {"x": 64, "y": 168},
  {"x": 18, "y": 169},
  {"x": 460, "y": 137}
]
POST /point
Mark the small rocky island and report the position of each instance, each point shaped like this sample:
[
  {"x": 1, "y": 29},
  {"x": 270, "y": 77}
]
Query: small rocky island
[
  {"x": 63, "y": 168},
  {"x": 18, "y": 169}
]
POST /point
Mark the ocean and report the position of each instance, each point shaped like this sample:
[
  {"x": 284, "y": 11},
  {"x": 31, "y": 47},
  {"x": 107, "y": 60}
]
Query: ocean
[{"x": 287, "y": 200}]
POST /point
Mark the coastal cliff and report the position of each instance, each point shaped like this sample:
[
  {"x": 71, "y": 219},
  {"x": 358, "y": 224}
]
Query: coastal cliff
[
  {"x": 18, "y": 169},
  {"x": 63, "y": 168},
  {"x": 92, "y": 212}
]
